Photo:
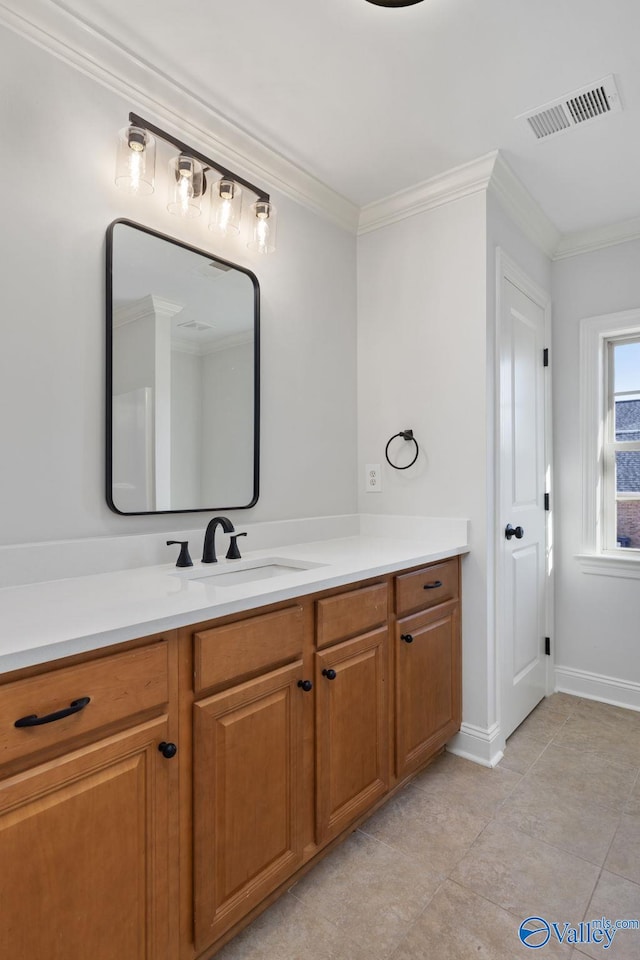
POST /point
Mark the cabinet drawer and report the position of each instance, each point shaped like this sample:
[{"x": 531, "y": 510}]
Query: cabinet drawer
[
  {"x": 426, "y": 587},
  {"x": 350, "y": 614},
  {"x": 224, "y": 655},
  {"x": 118, "y": 686}
]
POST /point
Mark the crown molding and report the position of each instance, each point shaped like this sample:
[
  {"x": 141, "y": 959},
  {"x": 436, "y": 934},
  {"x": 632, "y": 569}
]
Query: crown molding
[
  {"x": 209, "y": 347},
  {"x": 462, "y": 181},
  {"x": 74, "y": 40},
  {"x": 493, "y": 174},
  {"x": 488, "y": 173},
  {"x": 585, "y": 241},
  {"x": 148, "y": 306},
  {"x": 541, "y": 230},
  {"x": 523, "y": 208},
  {"x": 149, "y": 90}
]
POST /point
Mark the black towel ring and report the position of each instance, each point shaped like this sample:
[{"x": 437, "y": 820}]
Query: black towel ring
[{"x": 406, "y": 435}]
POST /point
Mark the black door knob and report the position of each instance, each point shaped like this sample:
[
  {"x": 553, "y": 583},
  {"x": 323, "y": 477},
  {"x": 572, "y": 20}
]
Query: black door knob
[
  {"x": 329, "y": 674},
  {"x": 306, "y": 685},
  {"x": 168, "y": 750},
  {"x": 517, "y": 532},
  {"x": 406, "y": 637}
]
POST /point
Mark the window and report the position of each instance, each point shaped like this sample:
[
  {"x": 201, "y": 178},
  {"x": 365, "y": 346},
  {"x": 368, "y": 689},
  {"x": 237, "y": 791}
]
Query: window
[
  {"x": 621, "y": 454},
  {"x": 610, "y": 427}
]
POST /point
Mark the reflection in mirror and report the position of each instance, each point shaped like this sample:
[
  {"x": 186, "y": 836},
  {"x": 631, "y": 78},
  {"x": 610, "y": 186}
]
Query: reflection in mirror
[{"x": 182, "y": 376}]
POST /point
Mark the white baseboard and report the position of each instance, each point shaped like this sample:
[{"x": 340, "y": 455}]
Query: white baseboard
[
  {"x": 483, "y": 746},
  {"x": 593, "y": 686}
]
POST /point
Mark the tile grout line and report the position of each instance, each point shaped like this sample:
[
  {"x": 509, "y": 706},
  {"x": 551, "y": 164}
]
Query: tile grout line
[
  {"x": 601, "y": 868},
  {"x": 517, "y": 830},
  {"x": 415, "y": 920},
  {"x": 474, "y": 788}
]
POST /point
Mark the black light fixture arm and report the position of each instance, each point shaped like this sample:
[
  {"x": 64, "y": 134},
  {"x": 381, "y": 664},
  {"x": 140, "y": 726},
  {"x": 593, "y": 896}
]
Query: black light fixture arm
[{"x": 137, "y": 121}]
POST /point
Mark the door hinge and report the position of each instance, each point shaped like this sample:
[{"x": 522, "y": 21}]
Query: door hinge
[
  {"x": 545, "y": 357},
  {"x": 546, "y": 502},
  {"x": 547, "y": 646}
]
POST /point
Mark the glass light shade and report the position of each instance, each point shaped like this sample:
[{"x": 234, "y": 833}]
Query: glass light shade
[
  {"x": 264, "y": 223},
  {"x": 135, "y": 161},
  {"x": 186, "y": 186},
  {"x": 226, "y": 207}
]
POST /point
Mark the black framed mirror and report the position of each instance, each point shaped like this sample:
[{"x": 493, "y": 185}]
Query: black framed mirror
[{"x": 183, "y": 374}]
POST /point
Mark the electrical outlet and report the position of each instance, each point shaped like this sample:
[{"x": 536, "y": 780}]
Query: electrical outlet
[{"x": 373, "y": 478}]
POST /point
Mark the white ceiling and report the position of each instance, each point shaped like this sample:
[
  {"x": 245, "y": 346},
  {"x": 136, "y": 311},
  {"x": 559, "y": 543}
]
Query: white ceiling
[{"x": 372, "y": 100}]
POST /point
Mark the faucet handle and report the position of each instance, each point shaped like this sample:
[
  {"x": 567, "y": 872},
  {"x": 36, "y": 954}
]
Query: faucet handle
[
  {"x": 184, "y": 560},
  {"x": 233, "y": 553}
]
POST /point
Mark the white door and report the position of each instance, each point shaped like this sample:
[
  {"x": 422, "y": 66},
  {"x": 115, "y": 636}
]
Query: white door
[{"x": 522, "y": 466}]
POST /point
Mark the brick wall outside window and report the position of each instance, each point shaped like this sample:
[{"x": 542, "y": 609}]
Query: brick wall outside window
[{"x": 629, "y": 522}]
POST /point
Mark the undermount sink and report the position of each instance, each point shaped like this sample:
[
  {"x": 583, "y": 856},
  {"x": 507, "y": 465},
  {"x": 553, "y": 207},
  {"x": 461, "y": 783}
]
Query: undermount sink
[{"x": 247, "y": 571}]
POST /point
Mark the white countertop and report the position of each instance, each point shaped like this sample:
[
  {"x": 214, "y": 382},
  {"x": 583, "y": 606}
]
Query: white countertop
[{"x": 40, "y": 622}]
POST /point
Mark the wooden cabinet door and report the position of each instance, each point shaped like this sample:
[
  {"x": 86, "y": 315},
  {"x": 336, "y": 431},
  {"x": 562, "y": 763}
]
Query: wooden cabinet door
[
  {"x": 84, "y": 854},
  {"x": 428, "y": 695},
  {"x": 247, "y": 797},
  {"x": 352, "y": 742}
]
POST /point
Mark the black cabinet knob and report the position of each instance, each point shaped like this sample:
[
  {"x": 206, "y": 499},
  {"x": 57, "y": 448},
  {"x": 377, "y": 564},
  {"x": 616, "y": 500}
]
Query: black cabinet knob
[
  {"x": 329, "y": 674},
  {"x": 168, "y": 750},
  {"x": 406, "y": 637},
  {"x": 305, "y": 685}
]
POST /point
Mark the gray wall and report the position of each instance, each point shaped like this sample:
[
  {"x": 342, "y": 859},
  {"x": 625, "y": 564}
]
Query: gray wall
[
  {"x": 58, "y": 155},
  {"x": 422, "y": 330},
  {"x": 597, "y": 617}
]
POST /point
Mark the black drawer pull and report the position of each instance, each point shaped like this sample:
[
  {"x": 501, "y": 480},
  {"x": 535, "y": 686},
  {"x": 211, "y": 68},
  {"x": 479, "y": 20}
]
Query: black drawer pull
[
  {"x": 35, "y": 721},
  {"x": 432, "y": 586}
]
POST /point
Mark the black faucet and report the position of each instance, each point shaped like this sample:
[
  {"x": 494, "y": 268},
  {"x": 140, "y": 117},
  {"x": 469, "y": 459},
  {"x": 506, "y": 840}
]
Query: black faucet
[
  {"x": 209, "y": 546},
  {"x": 233, "y": 553}
]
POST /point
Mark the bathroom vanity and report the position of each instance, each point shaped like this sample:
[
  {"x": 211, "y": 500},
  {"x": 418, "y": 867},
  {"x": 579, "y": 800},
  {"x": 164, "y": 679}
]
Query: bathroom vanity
[{"x": 161, "y": 790}]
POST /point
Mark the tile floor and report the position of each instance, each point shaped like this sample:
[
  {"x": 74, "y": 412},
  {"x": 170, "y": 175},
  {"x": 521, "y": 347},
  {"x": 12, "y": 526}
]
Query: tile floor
[{"x": 450, "y": 867}]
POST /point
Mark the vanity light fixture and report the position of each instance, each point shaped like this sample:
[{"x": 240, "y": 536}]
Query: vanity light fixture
[
  {"x": 264, "y": 227},
  {"x": 136, "y": 160},
  {"x": 186, "y": 186},
  {"x": 135, "y": 169},
  {"x": 226, "y": 207}
]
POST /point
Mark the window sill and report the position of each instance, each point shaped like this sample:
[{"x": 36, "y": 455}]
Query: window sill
[{"x": 611, "y": 564}]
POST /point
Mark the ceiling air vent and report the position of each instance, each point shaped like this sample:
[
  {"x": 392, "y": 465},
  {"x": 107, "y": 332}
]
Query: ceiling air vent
[
  {"x": 195, "y": 325},
  {"x": 581, "y": 106}
]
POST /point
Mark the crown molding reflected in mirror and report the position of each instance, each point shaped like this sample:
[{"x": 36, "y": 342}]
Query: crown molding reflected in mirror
[{"x": 182, "y": 385}]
